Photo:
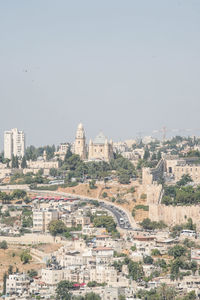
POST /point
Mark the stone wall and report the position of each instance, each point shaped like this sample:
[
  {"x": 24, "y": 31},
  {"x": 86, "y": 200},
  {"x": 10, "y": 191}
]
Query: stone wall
[
  {"x": 172, "y": 215},
  {"x": 31, "y": 239},
  {"x": 151, "y": 175}
]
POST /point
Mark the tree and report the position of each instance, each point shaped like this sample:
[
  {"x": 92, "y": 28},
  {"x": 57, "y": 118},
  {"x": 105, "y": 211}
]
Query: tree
[
  {"x": 15, "y": 162},
  {"x": 159, "y": 156},
  {"x": 175, "y": 267},
  {"x": 193, "y": 267},
  {"x": 56, "y": 227},
  {"x": 105, "y": 181},
  {"x": 124, "y": 177},
  {"x": 62, "y": 290},
  {"x": 104, "y": 195},
  {"x": 18, "y": 194},
  {"x": 177, "y": 251},
  {"x": 184, "y": 180},
  {"x": 92, "y": 284},
  {"x": 190, "y": 225},
  {"x": 190, "y": 296},
  {"x": 3, "y": 245},
  {"x": 152, "y": 225},
  {"x": 148, "y": 260},
  {"x": 32, "y": 273},
  {"x": 25, "y": 257},
  {"x": 92, "y": 185},
  {"x": 105, "y": 221},
  {"x": 133, "y": 248},
  {"x": 10, "y": 269},
  {"x": 155, "y": 252},
  {"x": 161, "y": 263},
  {"x": 146, "y": 154},
  {"x": 68, "y": 154},
  {"x": 23, "y": 163},
  {"x": 53, "y": 172},
  {"x": 4, "y": 283},
  {"x": 135, "y": 269},
  {"x": 92, "y": 296}
]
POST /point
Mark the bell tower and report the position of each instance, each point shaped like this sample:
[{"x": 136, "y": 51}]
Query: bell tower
[{"x": 80, "y": 142}]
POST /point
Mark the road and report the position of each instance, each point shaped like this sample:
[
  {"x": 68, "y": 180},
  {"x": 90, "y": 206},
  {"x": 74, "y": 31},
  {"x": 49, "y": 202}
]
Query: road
[{"x": 123, "y": 217}]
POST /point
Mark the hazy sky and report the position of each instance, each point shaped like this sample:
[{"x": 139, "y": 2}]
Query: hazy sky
[{"x": 116, "y": 66}]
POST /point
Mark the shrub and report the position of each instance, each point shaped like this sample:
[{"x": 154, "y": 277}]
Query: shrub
[
  {"x": 104, "y": 195},
  {"x": 143, "y": 207},
  {"x": 155, "y": 252},
  {"x": 3, "y": 245}
]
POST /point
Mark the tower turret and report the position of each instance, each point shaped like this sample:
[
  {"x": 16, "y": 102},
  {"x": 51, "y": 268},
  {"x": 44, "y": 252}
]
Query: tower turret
[{"x": 80, "y": 142}]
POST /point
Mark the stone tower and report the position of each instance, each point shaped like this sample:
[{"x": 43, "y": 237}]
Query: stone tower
[{"x": 80, "y": 143}]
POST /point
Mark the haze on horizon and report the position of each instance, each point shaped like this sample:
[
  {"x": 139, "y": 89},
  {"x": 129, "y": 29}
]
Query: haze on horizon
[{"x": 120, "y": 67}]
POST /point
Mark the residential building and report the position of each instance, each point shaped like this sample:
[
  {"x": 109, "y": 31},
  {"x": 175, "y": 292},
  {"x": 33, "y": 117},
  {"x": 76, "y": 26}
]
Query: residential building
[
  {"x": 14, "y": 143},
  {"x": 62, "y": 150},
  {"x": 17, "y": 283},
  {"x": 42, "y": 218},
  {"x": 52, "y": 276}
]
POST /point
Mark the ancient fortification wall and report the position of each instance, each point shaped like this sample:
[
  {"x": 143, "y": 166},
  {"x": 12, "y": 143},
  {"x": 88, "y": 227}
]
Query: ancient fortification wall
[
  {"x": 172, "y": 215},
  {"x": 30, "y": 239}
]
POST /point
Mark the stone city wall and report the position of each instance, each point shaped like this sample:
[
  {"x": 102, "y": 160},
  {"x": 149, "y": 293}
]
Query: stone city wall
[
  {"x": 30, "y": 239},
  {"x": 172, "y": 215}
]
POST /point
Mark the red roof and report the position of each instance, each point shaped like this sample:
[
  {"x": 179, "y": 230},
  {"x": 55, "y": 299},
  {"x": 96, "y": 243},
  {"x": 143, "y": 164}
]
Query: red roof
[
  {"x": 79, "y": 284},
  {"x": 102, "y": 248}
]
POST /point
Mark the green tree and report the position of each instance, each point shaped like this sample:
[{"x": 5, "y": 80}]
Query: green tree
[
  {"x": 193, "y": 267},
  {"x": 177, "y": 251},
  {"x": 25, "y": 257},
  {"x": 92, "y": 296},
  {"x": 159, "y": 156},
  {"x": 104, "y": 195},
  {"x": 23, "y": 163},
  {"x": 92, "y": 284},
  {"x": 175, "y": 268},
  {"x": 32, "y": 273},
  {"x": 146, "y": 154},
  {"x": 105, "y": 221},
  {"x": 3, "y": 245},
  {"x": 15, "y": 162},
  {"x": 56, "y": 227},
  {"x": 124, "y": 177},
  {"x": 155, "y": 252},
  {"x": 92, "y": 185},
  {"x": 62, "y": 290},
  {"x": 135, "y": 269},
  {"x": 148, "y": 260},
  {"x": 18, "y": 194},
  {"x": 184, "y": 180},
  {"x": 4, "y": 282},
  {"x": 53, "y": 172},
  {"x": 10, "y": 269}
]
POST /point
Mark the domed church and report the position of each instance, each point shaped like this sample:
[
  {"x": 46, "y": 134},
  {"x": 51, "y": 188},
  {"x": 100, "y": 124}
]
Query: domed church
[{"x": 99, "y": 149}]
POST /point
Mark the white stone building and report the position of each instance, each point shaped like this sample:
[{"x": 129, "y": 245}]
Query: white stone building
[
  {"x": 14, "y": 143},
  {"x": 17, "y": 284},
  {"x": 42, "y": 218}
]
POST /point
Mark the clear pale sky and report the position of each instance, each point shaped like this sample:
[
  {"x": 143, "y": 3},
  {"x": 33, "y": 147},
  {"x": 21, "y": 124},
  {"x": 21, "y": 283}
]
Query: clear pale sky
[{"x": 116, "y": 66}]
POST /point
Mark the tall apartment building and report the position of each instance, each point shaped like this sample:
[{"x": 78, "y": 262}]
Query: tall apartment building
[
  {"x": 14, "y": 143},
  {"x": 42, "y": 218}
]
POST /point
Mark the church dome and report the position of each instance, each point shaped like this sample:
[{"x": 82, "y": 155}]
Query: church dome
[{"x": 100, "y": 139}]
